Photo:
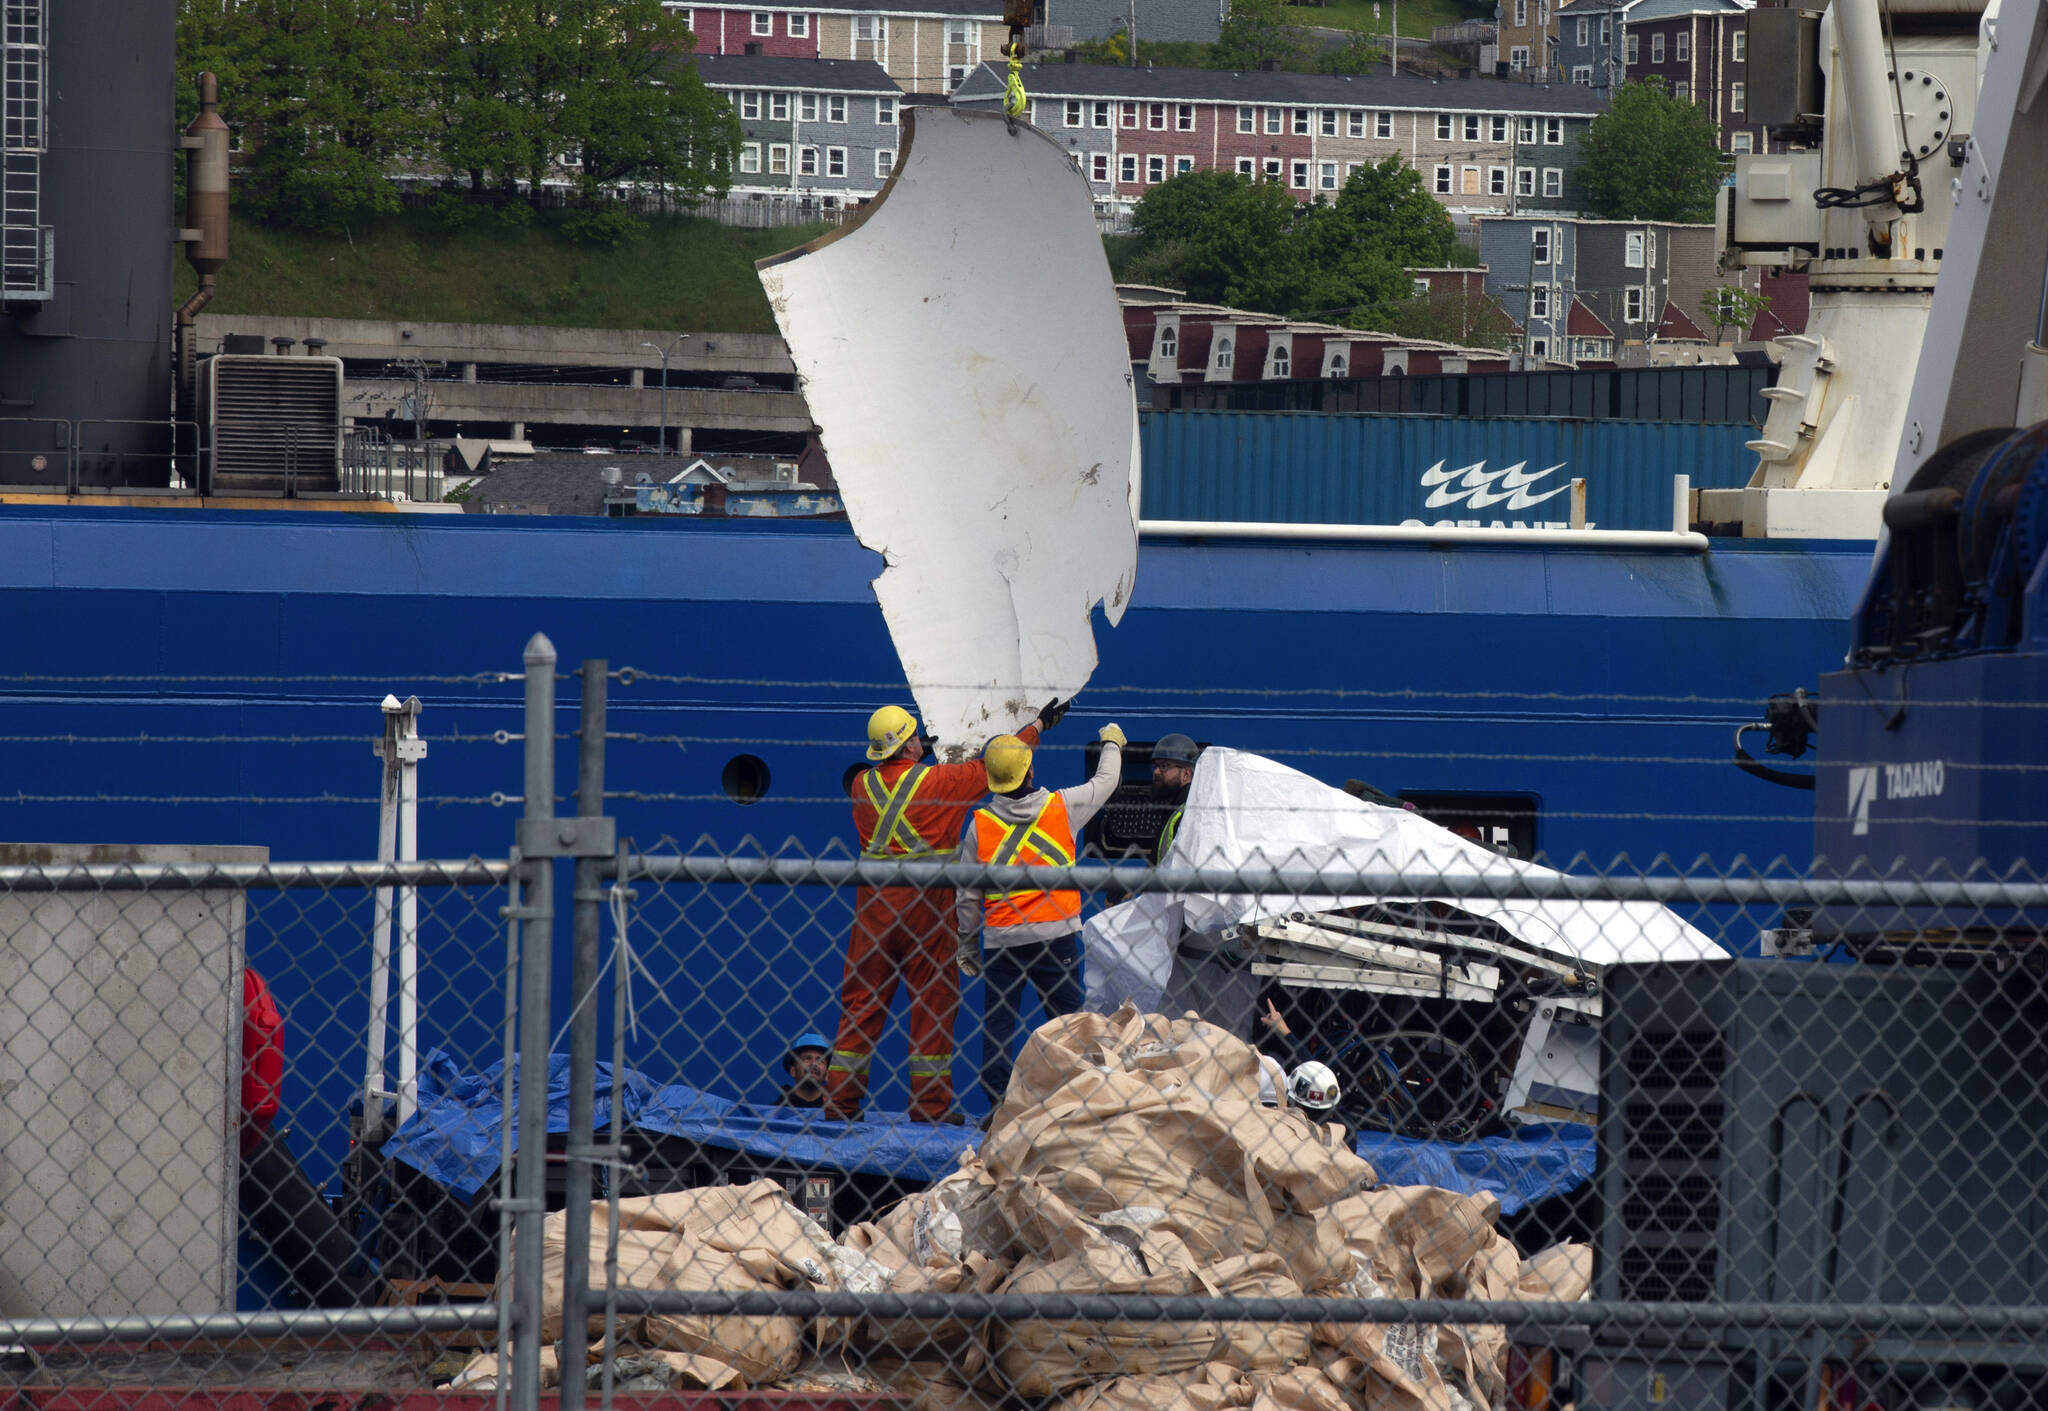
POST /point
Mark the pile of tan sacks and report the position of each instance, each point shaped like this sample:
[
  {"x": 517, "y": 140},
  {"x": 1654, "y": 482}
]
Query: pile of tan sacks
[{"x": 1131, "y": 1155}]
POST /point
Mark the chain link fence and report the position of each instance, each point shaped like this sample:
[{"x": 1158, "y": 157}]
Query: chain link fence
[{"x": 1324, "y": 1107}]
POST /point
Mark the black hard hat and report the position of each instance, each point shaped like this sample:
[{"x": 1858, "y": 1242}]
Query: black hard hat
[{"x": 1174, "y": 749}]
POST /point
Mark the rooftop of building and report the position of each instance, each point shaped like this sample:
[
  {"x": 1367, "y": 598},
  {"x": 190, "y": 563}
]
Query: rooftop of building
[{"x": 1394, "y": 92}]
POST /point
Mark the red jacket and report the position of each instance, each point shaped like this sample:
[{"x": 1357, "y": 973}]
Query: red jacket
[
  {"x": 944, "y": 800},
  {"x": 262, "y": 1057}
]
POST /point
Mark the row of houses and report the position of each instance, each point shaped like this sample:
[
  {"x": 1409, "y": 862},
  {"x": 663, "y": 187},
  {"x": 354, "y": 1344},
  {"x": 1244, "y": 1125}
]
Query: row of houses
[
  {"x": 828, "y": 129},
  {"x": 1698, "y": 49}
]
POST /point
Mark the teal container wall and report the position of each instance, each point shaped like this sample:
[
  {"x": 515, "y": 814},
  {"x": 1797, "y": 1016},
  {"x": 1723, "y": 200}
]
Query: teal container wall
[{"x": 1284, "y": 467}]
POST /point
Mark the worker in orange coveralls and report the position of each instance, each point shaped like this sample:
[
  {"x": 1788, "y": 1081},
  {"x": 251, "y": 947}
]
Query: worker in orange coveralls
[{"x": 903, "y": 807}]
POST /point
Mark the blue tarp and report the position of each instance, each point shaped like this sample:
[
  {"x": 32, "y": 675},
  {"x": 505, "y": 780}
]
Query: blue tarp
[
  {"x": 453, "y": 1138},
  {"x": 1536, "y": 1161}
]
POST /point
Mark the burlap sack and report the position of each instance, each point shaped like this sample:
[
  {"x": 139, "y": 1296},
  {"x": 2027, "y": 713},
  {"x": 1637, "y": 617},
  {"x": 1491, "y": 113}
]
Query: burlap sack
[
  {"x": 1040, "y": 1357},
  {"x": 1300, "y": 1389},
  {"x": 1387, "y": 1367},
  {"x": 761, "y": 1348},
  {"x": 931, "y": 1385},
  {"x": 1214, "y": 1386},
  {"x": 1168, "y": 1053},
  {"x": 1417, "y": 1238},
  {"x": 1257, "y": 1346},
  {"x": 1559, "y": 1274}
]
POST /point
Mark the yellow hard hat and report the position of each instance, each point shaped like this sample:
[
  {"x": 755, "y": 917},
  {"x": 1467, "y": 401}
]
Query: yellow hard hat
[
  {"x": 1009, "y": 760},
  {"x": 888, "y": 728}
]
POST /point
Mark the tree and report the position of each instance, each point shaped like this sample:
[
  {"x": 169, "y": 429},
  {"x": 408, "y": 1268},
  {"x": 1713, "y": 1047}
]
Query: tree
[
  {"x": 1259, "y": 30},
  {"x": 1386, "y": 208},
  {"x": 523, "y": 84},
  {"x": 325, "y": 97},
  {"x": 1468, "y": 318},
  {"x": 1731, "y": 306},
  {"x": 1650, "y": 156}
]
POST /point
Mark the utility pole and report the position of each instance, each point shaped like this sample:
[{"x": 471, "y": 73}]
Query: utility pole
[
  {"x": 1134, "y": 33},
  {"x": 1394, "y": 49},
  {"x": 673, "y": 344}
]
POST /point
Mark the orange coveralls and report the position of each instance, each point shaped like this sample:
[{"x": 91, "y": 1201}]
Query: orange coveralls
[{"x": 906, "y": 934}]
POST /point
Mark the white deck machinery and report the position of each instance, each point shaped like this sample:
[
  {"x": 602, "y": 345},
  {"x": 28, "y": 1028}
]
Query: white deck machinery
[{"x": 1875, "y": 105}]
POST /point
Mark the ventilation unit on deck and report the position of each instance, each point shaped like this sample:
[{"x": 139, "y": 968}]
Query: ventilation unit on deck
[
  {"x": 272, "y": 424},
  {"x": 26, "y": 244}
]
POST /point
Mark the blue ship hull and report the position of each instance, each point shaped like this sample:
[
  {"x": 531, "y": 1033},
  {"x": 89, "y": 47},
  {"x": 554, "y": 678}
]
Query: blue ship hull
[{"x": 252, "y": 649}]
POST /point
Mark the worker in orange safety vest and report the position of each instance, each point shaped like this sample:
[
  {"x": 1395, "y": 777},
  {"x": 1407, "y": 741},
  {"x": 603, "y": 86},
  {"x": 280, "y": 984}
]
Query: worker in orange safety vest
[
  {"x": 1032, "y": 936},
  {"x": 905, "y": 808}
]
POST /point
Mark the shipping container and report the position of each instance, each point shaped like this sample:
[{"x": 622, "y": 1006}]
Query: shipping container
[
  {"x": 1696, "y": 394},
  {"x": 1320, "y": 469}
]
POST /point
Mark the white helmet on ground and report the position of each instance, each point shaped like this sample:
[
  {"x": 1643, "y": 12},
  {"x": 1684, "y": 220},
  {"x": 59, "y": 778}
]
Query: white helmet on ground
[{"x": 1313, "y": 1088}]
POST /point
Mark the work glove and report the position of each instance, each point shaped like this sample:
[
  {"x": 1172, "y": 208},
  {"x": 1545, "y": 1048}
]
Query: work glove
[
  {"x": 967, "y": 951},
  {"x": 1111, "y": 734},
  {"x": 1052, "y": 713}
]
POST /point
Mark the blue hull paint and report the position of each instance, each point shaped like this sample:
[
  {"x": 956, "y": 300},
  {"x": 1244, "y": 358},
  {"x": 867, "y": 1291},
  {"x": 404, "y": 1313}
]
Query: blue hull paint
[{"x": 1606, "y": 685}]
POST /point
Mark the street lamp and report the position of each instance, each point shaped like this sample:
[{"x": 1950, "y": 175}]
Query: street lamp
[{"x": 673, "y": 343}]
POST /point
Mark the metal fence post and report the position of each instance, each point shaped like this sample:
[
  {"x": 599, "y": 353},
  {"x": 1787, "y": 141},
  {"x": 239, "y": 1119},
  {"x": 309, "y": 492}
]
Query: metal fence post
[
  {"x": 530, "y": 1175},
  {"x": 587, "y": 903}
]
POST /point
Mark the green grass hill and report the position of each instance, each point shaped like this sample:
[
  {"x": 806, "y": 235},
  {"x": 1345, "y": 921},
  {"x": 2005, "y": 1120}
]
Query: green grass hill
[{"x": 682, "y": 272}]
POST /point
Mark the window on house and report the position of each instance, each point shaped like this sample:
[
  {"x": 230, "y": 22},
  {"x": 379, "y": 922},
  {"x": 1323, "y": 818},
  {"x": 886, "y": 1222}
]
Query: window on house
[
  {"x": 1738, "y": 97},
  {"x": 1443, "y": 181},
  {"x": 1074, "y": 116},
  {"x": 1632, "y": 250},
  {"x": 1300, "y": 176},
  {"x": 1468, "y": 181},
  {"x": 956, "y": 74},
  {"x": 1539, "y": 347},
  {"x": 1539, "y": 245},
  {"x": 778, "y": 107},
  {"x": 1656, "y": 48},
  {"x": 1326, "y": 122},
  {"x": 807, "y": 107},
  {"x": 1283, "y": 361},
  {"x": 1632, "y": 305},
  {"x": 835, "y": 161},
  {"x": 1337, "y": 365},
  {"x": 1183, "y": 165},
  {"x": 1650, "y": 244},
  {"x": 1273, "y": 170},
  {"x": 807, "y": 161},
  {"x": 1184, "y": 117},
  {"x": 1472, "y": 127},
  {"x": 1553, "y": 182},
  {"x": 1224, "y": 355},
  {"x": 764, "y": 22},
  {"x": 1525, "y": 181},
  {"x": 1738, "y": 45},
  {"x": 1351, "y": 169},
  {"x": 1681, "y": 46},
  {"x": 1521, "y": 13},
  {"x": 1682, "y": 91},
  {"x": 869, "y": 29},
  {"x": 1101, "y": 115},
  {"x": 778, "y": 159},
  {"x": 885, "y": 161},
  {"x": 1155, "y": 170},
  {"x": 1247, "y": 167},
  {"x": 1169, "y": 341},
  {"x": 1496, "y": 181},
  {"x": 1518, "y": 58},
  {"x": 1419, "y": 288},
  {"x": 1127, "y": 167},
  {"x": 750, "y": 106},
  {"x": 1741, "y": 142},
  {"x": 1099, "y": 166},
  {"x": 1553, "y": 132},
  {"x": 1247, "y": 120},
  {"x": 1606, "y": 31},
  {"x": 1539, "y": 301},
  {"x": 750, "y": 157},
  {"x": 799, "y": 26},
  {"x": 835, "y": 108},
  {"x": 1354, "y": 123},
  {"x": 1525, "y": 129},
  {"x": 1496, "y": 129},
  {"x": 1443, "y": 127},
  {"x": 1383, "y": 125},
  {"x": 1633, "y": 46},
  {"x": 1585, "y": 37},
  {"x": 1326, "y": 176},
  {"x": 1155, "y": 116},
  {"x": 1301, "y": 122},
  {"x": 1128, "y": 112},
  {"x": 1582, "y": 75},
  {"x": 960, "y": 31}
]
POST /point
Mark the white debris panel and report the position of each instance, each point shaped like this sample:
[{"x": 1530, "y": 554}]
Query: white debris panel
[
  {"x": 963, "y": 355},
  {"x": 1244, "y": 810}
]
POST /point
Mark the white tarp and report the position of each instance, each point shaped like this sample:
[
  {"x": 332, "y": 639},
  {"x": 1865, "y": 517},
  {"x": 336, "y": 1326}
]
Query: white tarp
[
  {"x": 1246, "y": 810},
  {"x": 963, "y": 355}
]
